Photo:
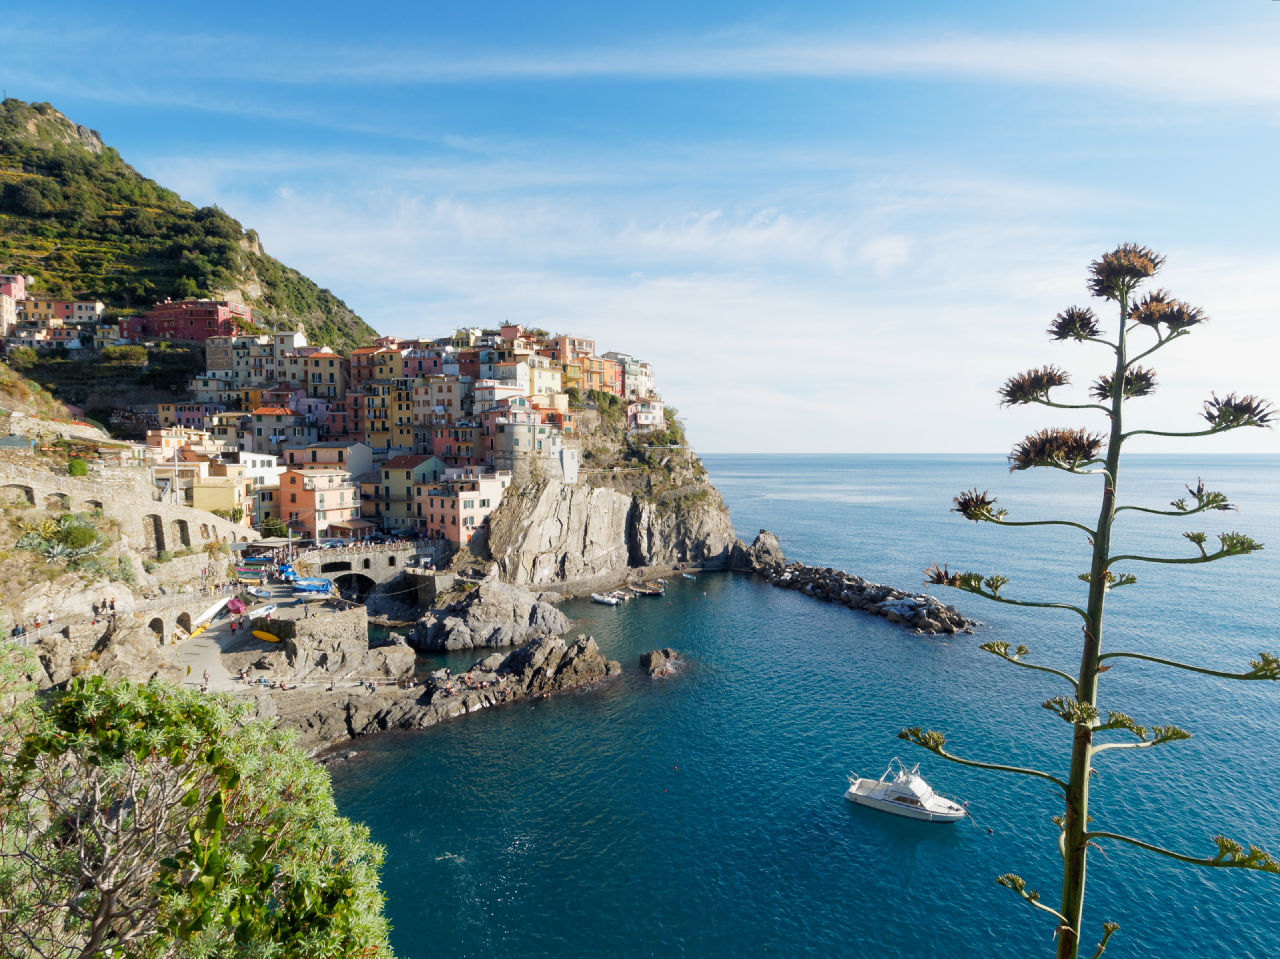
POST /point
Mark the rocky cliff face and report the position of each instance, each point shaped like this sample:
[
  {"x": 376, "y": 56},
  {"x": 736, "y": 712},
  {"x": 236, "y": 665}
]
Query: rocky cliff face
[{"x": 552, "y": 534}]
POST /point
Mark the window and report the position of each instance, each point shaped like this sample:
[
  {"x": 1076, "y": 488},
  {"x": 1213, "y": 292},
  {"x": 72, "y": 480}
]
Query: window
[{"x": 293, "y": 497}]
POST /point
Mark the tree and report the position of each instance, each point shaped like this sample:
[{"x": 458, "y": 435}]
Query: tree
[
  {"x": 147, "y": 820},
  {"x": 23, "y": 358},
  {"x": 272, "y": 527},
  {"x": 1115, "y": 277}
]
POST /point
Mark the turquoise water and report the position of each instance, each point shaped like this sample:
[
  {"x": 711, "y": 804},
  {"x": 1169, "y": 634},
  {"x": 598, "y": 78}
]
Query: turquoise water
[{"x": 704, "y": 816}]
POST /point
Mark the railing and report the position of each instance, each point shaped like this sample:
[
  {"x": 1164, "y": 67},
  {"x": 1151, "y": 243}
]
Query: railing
[{"x": 31, "y": 635}]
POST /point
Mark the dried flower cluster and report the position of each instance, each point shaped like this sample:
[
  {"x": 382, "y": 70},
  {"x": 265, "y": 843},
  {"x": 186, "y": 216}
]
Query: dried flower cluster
[
  {"x": 1116, "y": 274},
  {"x": 1074, "y": 323},
  {"x": 1138, "y": 381},
  {"x": 1056, "y": 447},
  {"x": 1232, "y": 411},
  {"x": 978, "y": 506},
  {"x": 1159, "y": 307},
  {"x": 1032, "y": 385}
]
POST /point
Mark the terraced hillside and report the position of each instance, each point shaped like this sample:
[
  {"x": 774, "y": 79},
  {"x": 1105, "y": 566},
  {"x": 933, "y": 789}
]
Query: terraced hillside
[{"x": 86, "y": 224}]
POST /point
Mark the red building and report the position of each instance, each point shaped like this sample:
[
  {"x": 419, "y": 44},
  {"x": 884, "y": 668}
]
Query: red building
[{"x": 195, "y": 320}]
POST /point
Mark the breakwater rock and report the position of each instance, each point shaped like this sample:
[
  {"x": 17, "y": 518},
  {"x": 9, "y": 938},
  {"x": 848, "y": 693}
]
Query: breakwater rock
[
  {"x": 926, "y": 614},
  {"x": 542, "y": 668},
  {"x": 494, "y": 614}
]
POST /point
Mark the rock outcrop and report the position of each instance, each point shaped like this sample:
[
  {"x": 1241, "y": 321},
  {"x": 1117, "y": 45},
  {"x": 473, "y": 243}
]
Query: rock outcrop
[
  {"x": 552, "y": 533},
  {"x": 927, "y": 614},
  {"x": 660, "y": 663},
  {"x": 763, "y": 553},
  {"x": 544, "y": 667},
  {"x": 494, "y": 614}
]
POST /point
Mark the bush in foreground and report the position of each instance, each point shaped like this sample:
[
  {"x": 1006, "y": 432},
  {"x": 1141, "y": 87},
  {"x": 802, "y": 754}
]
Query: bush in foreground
[{"x": 148, "y": 820}]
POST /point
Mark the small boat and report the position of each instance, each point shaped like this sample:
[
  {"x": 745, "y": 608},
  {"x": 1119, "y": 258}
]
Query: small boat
[
  {"x": 260, "y": 591},
  {"x": 689, "y": 576},
  {"x": 604, "y": 598},
  {"x": 621, "y": 595},
  {"x": 263, "y": 635},
  {"x": 657, "y": 584},
  {"x": 644, "y": 589},
  {"x": 903, "y": 792},
  {"x": 266, "y": 610}
]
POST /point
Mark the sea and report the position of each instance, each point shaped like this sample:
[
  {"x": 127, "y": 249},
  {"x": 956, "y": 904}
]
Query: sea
[{"x": 704, "y": 815}]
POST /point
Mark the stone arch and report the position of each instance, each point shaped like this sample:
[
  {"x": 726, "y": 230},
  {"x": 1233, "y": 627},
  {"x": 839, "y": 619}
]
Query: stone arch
[
  {"x": 243, "y": 539},
  {"x": 14, "y": 490},
  {"x": 368, "y": 562},
  {"x": 56, "y": 500},
  {"x": 157, "y": 626},
  {"x": 153, "y": 532},
  {"x": 181, "y": 532},
  {"x": 391, "y": 559},
  {"x": 354, "y": 585},
  {"x": 204, "y": 530},
  {"x": 184, "y": 620},
  {"x": 93, "y": 504},
  {"x": 336, "y": 566}
]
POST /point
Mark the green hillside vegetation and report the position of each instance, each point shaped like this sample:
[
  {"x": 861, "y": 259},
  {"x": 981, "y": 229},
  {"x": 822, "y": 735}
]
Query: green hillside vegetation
[{"x": 87, "y": 225}]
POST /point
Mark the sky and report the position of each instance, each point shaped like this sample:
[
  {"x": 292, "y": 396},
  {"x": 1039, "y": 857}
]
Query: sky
[{"x": 830, "y": 226}]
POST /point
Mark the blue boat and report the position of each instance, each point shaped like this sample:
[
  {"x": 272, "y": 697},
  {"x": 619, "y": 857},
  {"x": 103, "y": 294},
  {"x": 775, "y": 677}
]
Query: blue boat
[{"x": 313, "y": 584}]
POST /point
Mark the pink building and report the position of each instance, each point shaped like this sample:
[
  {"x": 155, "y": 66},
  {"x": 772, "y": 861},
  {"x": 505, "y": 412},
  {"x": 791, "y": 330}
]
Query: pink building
[
  {"x": 195, "y": 320},
  {"x": 15, "y": 285}
]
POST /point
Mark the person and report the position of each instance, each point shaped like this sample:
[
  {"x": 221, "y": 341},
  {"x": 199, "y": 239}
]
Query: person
[
  {"x": 206, "y": 677},
  {"x": 113, "y": 605}
]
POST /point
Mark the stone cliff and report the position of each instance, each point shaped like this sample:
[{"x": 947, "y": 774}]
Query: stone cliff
[{"x": 549, "y": 533}]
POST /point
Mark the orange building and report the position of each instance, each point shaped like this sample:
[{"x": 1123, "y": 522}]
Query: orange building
[{"x": 312, "y": 501}]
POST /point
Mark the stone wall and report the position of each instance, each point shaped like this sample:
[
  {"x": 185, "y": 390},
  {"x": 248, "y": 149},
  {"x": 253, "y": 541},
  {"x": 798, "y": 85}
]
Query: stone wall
[{"x": 127, "y": 496}]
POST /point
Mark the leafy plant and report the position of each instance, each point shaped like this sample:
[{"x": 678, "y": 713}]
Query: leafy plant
[
  {"x": 1163, "y": 320},
  {"x": 147, "y": 820}
]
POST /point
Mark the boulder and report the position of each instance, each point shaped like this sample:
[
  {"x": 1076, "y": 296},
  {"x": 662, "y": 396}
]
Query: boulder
[
  {"x": 495, "y": 614},
  {"x": 660, "y": 663}
]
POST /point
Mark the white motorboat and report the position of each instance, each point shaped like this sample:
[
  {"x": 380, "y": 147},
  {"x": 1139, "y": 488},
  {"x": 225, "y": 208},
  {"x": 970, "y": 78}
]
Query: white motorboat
[
  {"x": 260, "y": 591},
  {"x": 266, "y": 610},
  {"x": 689, "y": 576},
  {"x": 605, "y": 598},
  {"x": 903, "y": 792}
]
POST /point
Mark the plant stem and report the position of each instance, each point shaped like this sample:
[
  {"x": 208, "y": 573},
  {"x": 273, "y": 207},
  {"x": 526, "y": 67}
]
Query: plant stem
[{"x": 1075, "y": 840}]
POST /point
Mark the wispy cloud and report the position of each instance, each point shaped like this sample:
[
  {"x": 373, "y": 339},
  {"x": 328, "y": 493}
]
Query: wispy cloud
[{"x": 1198, "y": 69}]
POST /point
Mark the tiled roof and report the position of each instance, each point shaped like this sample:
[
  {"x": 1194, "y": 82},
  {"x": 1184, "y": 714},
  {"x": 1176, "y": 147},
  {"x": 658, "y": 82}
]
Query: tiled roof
[
  {"x": 272, "y": 411},
  {"x": 405, "y": 462}
]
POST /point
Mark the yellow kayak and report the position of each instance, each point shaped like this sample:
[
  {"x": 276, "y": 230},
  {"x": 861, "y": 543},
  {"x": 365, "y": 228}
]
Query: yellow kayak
[{"x": 264, "y": 635}]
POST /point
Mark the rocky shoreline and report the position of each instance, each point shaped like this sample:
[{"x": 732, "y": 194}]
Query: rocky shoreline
[
  {"x": 325, "y": 717},
  {"x": 926, "y": 614}
]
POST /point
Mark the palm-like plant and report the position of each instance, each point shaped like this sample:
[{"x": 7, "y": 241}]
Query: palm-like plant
[{"x": 1115, "y": 277}]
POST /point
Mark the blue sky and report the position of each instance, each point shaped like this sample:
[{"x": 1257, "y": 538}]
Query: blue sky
[{"x": 830, "y": 226}]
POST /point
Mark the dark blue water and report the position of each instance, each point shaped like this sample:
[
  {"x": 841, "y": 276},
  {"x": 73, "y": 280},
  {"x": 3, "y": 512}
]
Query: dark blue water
[{"x": 704, "y": 816}]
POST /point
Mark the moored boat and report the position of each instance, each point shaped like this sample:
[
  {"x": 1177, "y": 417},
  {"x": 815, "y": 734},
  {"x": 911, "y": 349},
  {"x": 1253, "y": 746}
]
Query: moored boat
[
  {"x": 260, "y": 591},
  {"x": 689, "y": 576},
  {"x": 605, "y": 598},
  {"x": 903, "y": 792},
  {"x": 644, "y": 589}
]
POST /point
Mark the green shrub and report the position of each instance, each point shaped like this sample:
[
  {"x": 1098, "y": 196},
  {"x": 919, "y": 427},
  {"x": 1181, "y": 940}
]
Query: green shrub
[{"x": 77, "y": 467}]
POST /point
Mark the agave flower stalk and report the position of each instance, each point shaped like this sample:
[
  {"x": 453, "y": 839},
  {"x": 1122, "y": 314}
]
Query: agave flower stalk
[{"x": 1115, "y": 276}]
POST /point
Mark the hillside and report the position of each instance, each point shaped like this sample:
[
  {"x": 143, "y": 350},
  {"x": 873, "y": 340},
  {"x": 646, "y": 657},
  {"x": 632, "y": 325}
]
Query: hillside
[{"x": 87, "y": 225}]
